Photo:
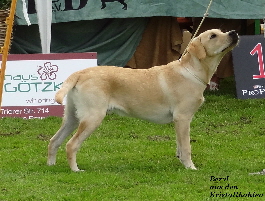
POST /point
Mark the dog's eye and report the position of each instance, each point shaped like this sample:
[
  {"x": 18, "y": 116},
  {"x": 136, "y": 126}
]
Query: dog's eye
[{"x": 213, "y": 36}]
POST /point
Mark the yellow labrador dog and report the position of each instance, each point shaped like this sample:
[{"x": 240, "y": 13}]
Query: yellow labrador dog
[{"x": 161, "y": 94}]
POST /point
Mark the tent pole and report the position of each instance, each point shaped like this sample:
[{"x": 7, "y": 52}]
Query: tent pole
[
  {"x": 257, "y": 27},
  {"x": 5, "y": 48}
]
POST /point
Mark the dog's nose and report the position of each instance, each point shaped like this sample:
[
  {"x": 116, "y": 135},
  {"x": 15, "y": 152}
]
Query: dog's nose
[
  {"x": 232, "y": 33},
  {"x": 234, "y": 36}
]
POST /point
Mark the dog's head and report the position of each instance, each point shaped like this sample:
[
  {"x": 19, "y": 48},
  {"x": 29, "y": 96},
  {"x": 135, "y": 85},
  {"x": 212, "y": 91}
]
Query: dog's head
[{"x": 212, "y": 43}]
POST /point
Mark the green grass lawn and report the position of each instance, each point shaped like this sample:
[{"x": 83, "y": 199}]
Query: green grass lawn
[{"x": 129, "y": 159}]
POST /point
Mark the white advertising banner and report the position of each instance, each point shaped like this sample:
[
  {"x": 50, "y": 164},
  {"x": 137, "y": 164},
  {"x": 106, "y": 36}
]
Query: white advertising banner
[{"x": 31, "y": 82}]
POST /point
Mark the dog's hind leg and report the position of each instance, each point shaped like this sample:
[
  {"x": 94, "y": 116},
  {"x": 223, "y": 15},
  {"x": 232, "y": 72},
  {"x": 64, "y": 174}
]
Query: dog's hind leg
[
  {"x": 85, "y": 129},
  {"x": 70, "y": 123}
]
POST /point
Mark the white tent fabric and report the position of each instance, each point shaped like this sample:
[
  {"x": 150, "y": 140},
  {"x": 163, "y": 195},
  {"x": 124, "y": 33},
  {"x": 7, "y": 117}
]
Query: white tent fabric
[
  {"x": 44, "y": 13},
  {"x": 26, "y": 16}
]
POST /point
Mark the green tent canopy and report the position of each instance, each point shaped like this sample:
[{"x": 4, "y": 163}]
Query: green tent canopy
[
  {"x": 76, "y": 10},
  {"x": 113, "y": 28}
]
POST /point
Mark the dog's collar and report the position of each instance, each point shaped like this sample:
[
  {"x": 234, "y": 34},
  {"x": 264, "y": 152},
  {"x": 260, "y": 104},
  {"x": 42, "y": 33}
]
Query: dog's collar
[{"x": 199, "y": 79}]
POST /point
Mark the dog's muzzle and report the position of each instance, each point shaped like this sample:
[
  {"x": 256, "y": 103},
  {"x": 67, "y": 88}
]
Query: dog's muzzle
[{"x": 234, "y": 39}]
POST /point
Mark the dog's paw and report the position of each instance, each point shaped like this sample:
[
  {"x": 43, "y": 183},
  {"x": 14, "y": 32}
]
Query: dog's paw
[
  {"x": 75, "y": 168},
  {"x": 192, "y": 167},
  {"x": 51, "y": 162},
  {"x": 188, "y": 164},
  {"x": 78, "y": 170}
]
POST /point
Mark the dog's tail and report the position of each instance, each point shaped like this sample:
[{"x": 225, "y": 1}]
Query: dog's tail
[{"x": 67, "y": 85}]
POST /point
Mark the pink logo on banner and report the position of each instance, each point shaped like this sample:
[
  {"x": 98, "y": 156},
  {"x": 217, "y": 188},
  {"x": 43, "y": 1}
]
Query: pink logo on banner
[{"x": 48, "y": 71}]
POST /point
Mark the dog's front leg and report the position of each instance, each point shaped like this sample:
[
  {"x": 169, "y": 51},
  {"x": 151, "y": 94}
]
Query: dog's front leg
[{"x": 182, "y": 126}]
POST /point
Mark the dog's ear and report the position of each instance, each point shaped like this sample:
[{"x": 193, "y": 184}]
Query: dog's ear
[{"x": 196, "y": 49}]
